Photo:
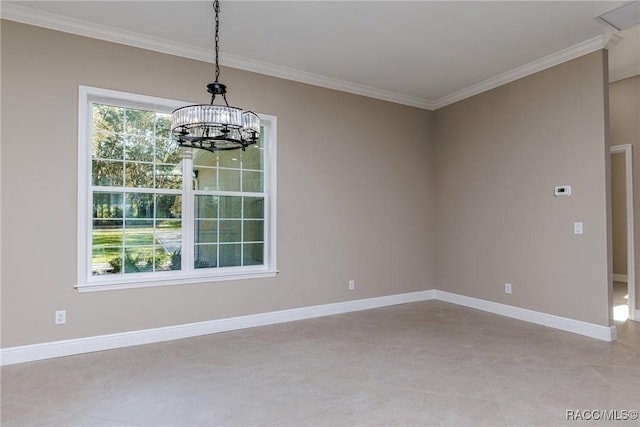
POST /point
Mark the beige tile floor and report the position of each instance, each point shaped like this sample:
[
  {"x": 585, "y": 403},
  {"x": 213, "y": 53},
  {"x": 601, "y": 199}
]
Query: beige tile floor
[{"x": 420, "y": 364}]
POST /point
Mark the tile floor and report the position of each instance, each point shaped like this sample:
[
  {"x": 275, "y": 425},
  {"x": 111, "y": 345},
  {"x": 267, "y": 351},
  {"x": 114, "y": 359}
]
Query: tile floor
[{"x": 420, "y": 364}]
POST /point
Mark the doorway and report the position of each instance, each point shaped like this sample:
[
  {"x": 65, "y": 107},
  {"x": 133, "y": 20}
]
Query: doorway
[{"x": 624, "y": 299}]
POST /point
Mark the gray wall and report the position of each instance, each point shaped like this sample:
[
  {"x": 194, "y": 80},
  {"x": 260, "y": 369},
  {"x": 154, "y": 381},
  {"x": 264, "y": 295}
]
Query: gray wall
[
  {"x": 355, "y": 191},
  {"x": 499, "y": 155},
  {"x": 624, "y": 101},
  {"x": 357, "y": 197}
]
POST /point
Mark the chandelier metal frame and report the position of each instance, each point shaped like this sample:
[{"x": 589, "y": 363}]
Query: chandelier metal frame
[{"x": 215, "y": 127}]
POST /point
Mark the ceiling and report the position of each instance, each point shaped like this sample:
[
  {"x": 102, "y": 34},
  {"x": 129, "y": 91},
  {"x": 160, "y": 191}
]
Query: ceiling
[{"x": 422, "y": 53}]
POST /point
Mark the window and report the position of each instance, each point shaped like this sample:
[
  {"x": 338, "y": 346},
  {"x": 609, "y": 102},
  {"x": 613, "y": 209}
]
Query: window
[{"x": 152, "y": 213}]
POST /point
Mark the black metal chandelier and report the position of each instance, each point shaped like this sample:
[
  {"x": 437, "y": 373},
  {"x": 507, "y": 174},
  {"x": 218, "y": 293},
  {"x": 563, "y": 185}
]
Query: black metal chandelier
[{"x": 215, "y": 127}]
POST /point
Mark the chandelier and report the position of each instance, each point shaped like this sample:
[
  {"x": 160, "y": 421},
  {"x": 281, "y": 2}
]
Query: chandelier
[{"x": 215, "y": 127}]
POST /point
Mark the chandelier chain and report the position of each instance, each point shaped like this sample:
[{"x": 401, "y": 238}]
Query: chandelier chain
[{"x": 216, "y": 8}]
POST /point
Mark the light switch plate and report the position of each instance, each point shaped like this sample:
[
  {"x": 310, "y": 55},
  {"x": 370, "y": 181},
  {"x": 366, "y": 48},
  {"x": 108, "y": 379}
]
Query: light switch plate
[{"x": 577, "y": 228}]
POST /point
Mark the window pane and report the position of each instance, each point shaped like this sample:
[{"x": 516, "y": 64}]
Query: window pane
[
  {"x": 168, "y": 236},
  {"x": 206, "y": 256},
  {"x": 139, "y": 205},
  {"x": 168, "y": 224},
  {"x": 106, "y": 260},
  {"x": 139, "y": 122},
  {"x": 254, "y": 207},
  {"x": 205, "y": 179},
  {"x": 105, "y": 236},
  {"x": 168, "y": 151},
  {"x": 230, "y": 207},
  {"x": 253, "y": 231},
  {"x": 138, "y": 223},
  {"x": 163, "y": 126},
  {"x": 206, "y": 206},
  {"x": 107, "y": 146},
  {"x": 206, "y": 231},
  {"x": 139, "y": 175},
  {"x": 252, "y": 182},
  {"x": 230, "y": 231},
  {"x": 253, "y": 254},
  {"x": 166, "y": 261},
  {"x": 229, "y": 180},
  {"x": 175, "y": 260},
  {"x": 168, "y": 206},
  {"x": 108, "y": 118},
  {"x": 139, "y": 148},
  {"x": 169, "y": 176},
  {"x": 107, "y": 173},
  {"x": 252, "y": 158},
  {"x": 162, "y": 260},
  {"x": 138, "y": 259},
  {"x": 229, "y": 159},
  {"x": 204, "y": 158},
  {"x": 107, "y": 206},
  {"x": 138, "y": 236},
  {"x": 230, "y": 255},
  {"x": 138, "y": 232},
  {"x": 105, "y": 241}
]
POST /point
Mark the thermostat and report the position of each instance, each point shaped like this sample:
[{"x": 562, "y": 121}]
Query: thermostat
[{"x": 562, "y": 190}]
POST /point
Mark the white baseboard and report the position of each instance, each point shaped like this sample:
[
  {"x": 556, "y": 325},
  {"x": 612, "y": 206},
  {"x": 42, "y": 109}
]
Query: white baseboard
[
  {"x": 604, "y": 333},
  {"x": 620, "y": 278},
  {"x": 49, "y": 350}
]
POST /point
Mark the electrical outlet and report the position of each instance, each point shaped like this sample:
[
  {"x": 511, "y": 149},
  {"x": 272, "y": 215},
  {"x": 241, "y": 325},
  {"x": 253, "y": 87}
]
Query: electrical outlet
[
  {"x": 507, "y": 288},
  {"x": 61, "y": 317},
  {"x": 352, "y": 285}
]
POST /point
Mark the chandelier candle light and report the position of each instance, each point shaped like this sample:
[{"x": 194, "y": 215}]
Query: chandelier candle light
[{"x": 215, "y": 127}]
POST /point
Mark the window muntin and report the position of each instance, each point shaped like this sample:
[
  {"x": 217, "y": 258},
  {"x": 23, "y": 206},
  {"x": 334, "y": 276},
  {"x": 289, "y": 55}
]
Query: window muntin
[
  {"x": 228, "y": 207},
  {"x": 142, "y": 221},
  {"x": 136, "y": 192}
]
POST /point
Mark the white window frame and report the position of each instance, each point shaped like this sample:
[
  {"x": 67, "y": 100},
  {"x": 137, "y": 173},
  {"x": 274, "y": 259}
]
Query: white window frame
[{"x": 86, "y": 281}]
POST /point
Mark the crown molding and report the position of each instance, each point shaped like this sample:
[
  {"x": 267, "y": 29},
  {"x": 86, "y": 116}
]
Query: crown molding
[
  {"x": 625, "y": 73},
  {"x": 29, "y": 16},
  {"x": 575, "y": 51},
  {"x": 52, "y": 21},
  {"x": 79, "y": 27},
  {"x": 287, "y": 73}
]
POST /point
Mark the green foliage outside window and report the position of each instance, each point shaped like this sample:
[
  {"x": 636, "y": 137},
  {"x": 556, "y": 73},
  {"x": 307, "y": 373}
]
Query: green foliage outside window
[
  {"x": 134, "y": 231},
  {"x": 138, "y": 190}
]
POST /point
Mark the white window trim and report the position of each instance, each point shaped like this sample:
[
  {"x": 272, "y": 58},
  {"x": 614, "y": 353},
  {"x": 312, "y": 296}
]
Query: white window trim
[{"x": 86, "y": 282}]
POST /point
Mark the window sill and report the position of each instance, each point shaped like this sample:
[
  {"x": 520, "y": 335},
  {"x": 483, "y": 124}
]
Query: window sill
[{"x": 182, "y": 280}]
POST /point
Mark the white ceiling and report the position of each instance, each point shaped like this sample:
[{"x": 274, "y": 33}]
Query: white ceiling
[{"x": 422, "y": 53}]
